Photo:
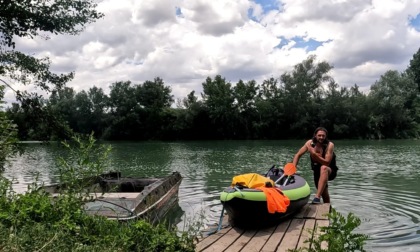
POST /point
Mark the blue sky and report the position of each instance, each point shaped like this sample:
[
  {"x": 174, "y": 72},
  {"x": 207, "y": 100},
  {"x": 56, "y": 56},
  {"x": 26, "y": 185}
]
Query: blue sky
[
  {"x": 186, "y": 41},
  {"x": 269, "y": 5},
  {"x": 415, "y": 22}
]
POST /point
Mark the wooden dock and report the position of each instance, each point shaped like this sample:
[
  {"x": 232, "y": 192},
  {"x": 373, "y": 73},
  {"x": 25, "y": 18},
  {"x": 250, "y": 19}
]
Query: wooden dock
[{"x": 289, "y": 234}]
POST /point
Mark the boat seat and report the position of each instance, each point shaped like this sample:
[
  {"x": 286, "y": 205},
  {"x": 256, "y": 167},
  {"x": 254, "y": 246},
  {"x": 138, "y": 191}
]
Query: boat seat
[
  {"x": 291, "y": 179},
  {"x": 122, "y": 185}
]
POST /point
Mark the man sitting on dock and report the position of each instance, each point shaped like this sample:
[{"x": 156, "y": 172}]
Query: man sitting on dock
[{"x": 323, "y": 163}]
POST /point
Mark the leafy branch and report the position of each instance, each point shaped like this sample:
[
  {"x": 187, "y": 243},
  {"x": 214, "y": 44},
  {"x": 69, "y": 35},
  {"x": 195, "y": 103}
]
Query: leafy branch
[{"x": 339, "y": 235}]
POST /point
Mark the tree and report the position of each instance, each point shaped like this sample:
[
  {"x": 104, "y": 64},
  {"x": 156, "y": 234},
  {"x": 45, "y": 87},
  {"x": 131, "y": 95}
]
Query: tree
[
  {"x": 155, "y": 100},
  {"x": 414, "y": 68},
  {"x": 38, "y": 18},
  {"x": 8, "y": 134},
  {"x": 270, "y": 89},
  {"x": 336, "y": 110},
  {"x": 245, "y": 94},
  {"x": 358, "y": 115},
  {"x": 99, "y": 102},
  {"x": 389, "y": 99},
  {"x": 190, "y": 100},
  {"x": 62, "y": 102},
  {"x": 195, "y": 119},
  {"x": 154, "y": 95},
  {"x": 28, "y": 18},
  {"x": 302, "y": 88},
  {"x": 83, "y": 113},
  {"x": 123, "y": 106},
  {"x": 270, "y": 109},
  {"x": 218, "y": 98}
]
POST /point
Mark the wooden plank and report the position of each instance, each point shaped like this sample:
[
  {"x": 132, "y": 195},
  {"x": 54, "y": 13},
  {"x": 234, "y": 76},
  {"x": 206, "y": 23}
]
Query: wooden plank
[
  {"x": 259, "y": 239},
  {"x": 225, "y": 241},
  {"x": 309, "y": 212},
  {"x": 209, "y": 240},
  {"x": 212, "y": 228},
  {"x": 289, "y": 234},
  {"x": 322, "y": 211},
  {"x": 241, "y": 241},
  {"x": 306, "y": 234},
  {"x": 277, "y": 236},
  {"x": 321, "y": 223},
  {"x": 292, "y": 235}
]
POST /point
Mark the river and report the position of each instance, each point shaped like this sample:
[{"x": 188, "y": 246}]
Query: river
[{"x": 378, "y": 181}]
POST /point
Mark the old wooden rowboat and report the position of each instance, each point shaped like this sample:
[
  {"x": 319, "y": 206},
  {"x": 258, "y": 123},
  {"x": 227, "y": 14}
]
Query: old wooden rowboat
[{"x": 127, "y": 198}]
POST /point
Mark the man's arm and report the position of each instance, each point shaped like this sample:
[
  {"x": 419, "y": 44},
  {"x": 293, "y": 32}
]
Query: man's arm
[
  {"x": 301, "y": 151},
  {"x": 328, "y": 155}
]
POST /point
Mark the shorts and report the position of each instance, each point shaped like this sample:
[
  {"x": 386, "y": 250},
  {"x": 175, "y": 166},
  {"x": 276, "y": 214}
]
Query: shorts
[{"x": 317, "y": 174}]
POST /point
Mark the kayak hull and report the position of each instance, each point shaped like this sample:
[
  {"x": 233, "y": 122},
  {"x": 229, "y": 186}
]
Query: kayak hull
[{"x": 247, "y": 207}]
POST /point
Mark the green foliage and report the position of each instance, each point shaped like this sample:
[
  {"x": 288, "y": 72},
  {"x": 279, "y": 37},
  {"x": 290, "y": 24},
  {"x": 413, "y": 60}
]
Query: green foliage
[
  {"x": 38, "y": 18},
  {"x": 302, "y": 88},
  {"x": 159, "y": 238},
  {"x": 414, "y": 69},
  {"x": 338, "y": 236},
  {"x": 391, "y": 103},
  {"x": 154, "y": 95},
  {"x": 35, "y": 221},
  {"x": 85, "y": 159},
  {"x": 8, "y": 134},
  {"x": 8, "y": 138},
  {"x": 29, "y": 70},
  {"x": 218, "y": 98},
  {"x": 29, "y": 18},
  {"x": 40, "y": 121}
]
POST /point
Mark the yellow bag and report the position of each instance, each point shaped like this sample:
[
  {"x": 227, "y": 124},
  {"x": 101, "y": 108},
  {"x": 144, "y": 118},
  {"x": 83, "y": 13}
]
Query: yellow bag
[{"x": 252, "y": 180}]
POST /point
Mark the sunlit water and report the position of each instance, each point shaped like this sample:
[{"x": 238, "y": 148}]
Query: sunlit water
[{"x": 378, "y": 181}]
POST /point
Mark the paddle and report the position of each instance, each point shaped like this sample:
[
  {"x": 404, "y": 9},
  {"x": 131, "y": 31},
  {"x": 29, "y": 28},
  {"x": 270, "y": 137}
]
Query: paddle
[{"x": 289, "y": 169}]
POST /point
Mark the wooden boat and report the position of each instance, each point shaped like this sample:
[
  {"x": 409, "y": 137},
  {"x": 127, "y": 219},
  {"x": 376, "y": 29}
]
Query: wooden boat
[
  {"x": 127, "y": 198},
  {"x": 247, "y": 207}
]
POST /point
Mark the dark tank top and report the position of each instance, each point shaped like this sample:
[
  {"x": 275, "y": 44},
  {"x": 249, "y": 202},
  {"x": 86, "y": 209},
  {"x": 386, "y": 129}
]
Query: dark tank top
[{"x": 316, "y": 166}]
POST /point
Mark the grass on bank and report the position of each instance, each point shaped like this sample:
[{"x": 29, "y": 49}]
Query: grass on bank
[{"x": 35, "y": 222}]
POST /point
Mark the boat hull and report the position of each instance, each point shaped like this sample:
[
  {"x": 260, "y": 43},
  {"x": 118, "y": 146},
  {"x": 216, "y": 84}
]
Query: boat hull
[
  {"x": 247, "y": 208},
  {"x": 128, "y": 198}
]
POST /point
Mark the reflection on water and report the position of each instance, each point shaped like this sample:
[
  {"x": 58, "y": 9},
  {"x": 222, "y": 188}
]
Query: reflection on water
[{"x": 377, "y": 180}]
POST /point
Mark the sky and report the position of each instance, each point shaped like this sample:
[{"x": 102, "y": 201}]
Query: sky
[{"x": 185, "y": 41}]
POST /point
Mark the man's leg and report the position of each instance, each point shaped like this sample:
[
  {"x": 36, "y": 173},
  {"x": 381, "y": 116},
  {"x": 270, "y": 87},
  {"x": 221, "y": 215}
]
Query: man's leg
[
  {"x": 322, "y": 184},
  {"x": 326, "y": 196}
]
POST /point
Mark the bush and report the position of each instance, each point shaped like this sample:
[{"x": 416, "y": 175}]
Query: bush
[
  {"x": 36, "y": 222},
  {"x": 339, "y": 235}
]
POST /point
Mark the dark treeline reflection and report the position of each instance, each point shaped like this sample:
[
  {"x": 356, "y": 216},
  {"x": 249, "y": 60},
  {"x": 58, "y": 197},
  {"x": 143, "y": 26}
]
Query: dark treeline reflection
[{"x": 288, "y": 107}]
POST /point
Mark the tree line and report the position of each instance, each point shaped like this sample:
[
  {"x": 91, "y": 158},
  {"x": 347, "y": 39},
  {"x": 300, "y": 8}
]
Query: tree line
[{"x": 288, "y": 107}]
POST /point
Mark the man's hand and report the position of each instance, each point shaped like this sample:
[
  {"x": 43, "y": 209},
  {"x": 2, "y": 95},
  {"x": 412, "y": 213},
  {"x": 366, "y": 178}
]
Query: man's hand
[{"x": 311, "y": 149}]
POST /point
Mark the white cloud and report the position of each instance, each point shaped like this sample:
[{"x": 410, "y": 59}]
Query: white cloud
[
  {"x": 185, "y": 41},
  {"x": 217, "y": 17}
]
